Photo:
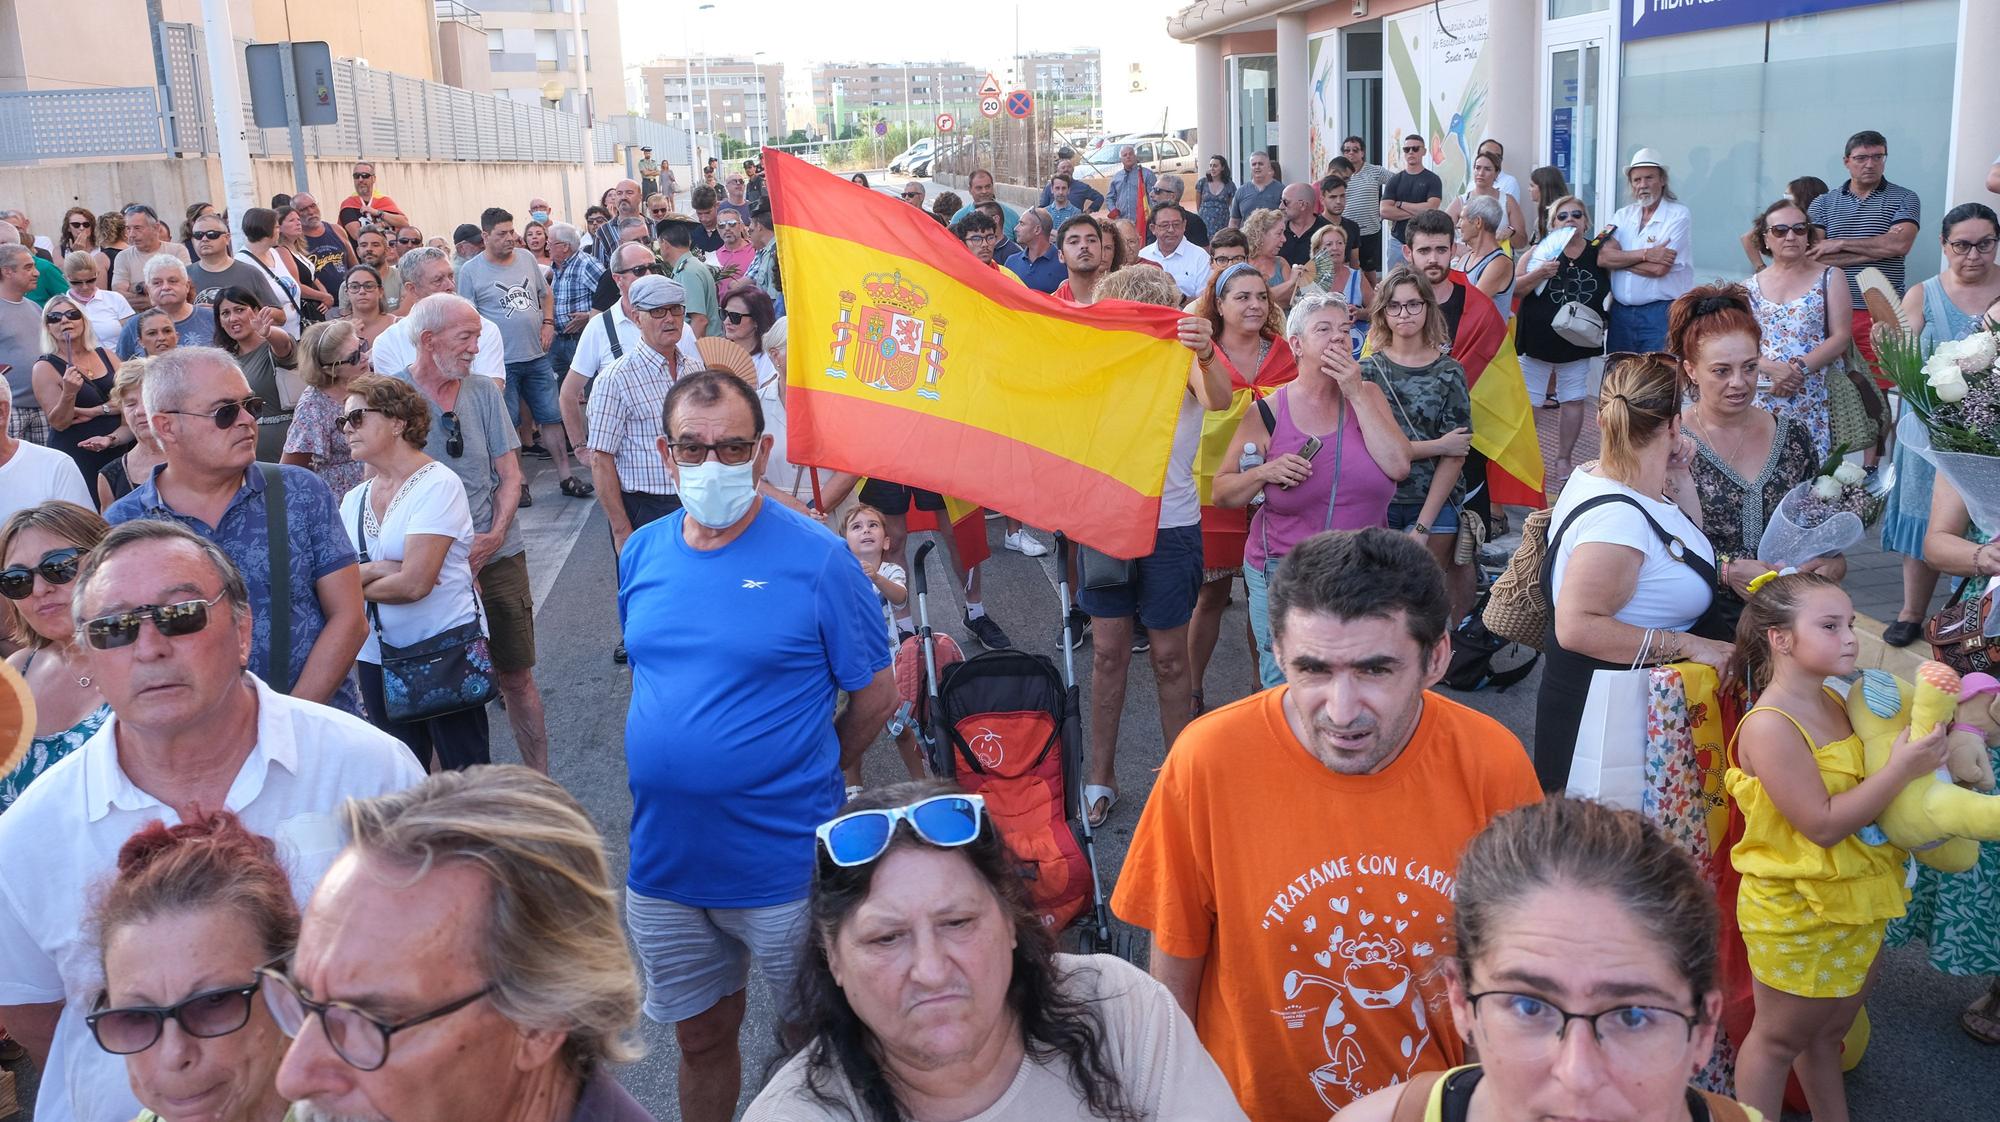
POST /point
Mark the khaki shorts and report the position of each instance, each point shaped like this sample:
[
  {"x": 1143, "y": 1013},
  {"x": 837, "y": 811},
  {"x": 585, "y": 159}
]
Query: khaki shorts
[{"x": 510, "y": 612}]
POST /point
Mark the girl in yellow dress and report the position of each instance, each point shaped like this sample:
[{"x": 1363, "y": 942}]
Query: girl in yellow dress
[{"x": 1814, "y": 898}]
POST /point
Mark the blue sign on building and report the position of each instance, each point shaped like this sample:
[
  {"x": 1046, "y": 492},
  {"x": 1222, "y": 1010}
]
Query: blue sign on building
[{"x": 1649, "y": 19}]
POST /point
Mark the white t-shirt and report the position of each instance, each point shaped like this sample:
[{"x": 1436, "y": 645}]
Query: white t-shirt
[
  {"x": 284, "y": 288},
  {"x": 892, "y": 572},
  {"x": 107, "y": 312},
  {"x": 1180, "y": 503},
  {"x": 780, "y": 472},
  {"x": 33, "y": 475},
  {"x": 593, "y": 351},
  {"x": 395, "y": 350},
  {"x": 430, "y": 501},
  {"x": 308, "y": 760},
  {"x": 1670, "y": 593}
]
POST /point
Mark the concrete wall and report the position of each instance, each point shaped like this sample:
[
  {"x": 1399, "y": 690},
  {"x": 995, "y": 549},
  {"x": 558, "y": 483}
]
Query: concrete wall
[{"x": 436, "y": 196}]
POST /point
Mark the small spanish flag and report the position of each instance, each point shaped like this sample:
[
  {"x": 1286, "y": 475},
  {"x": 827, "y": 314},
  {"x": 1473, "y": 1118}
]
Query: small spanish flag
[{"x": 910, "y": 360}]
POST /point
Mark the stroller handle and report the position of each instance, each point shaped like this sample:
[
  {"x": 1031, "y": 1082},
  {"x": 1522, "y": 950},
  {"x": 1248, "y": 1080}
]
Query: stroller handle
[{"x": 917, "y": 579}]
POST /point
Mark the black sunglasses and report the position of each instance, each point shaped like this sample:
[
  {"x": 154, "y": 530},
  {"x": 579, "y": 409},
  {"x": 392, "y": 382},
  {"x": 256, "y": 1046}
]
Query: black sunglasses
[
  {"x": 78, "y": 224},
  {"x": 342, "y": 422},
  {"x": 57, "y": 566},
  {"x": 735, "y": 317},
  {"x": 225, "y": 415},
  {"x": 454, "y": 436},
  {"x": 637, "y": 271},
  {"x": 121, "y": 629},
  {"x": 208, "y": 235},
  {"x": 1569, "y": 215},
  {"x": 1781, "y": 230},
  {"x": 58, "y": 317},
  {"x": 209, "y": 1014},
  {"x": 409, "y": 241}
]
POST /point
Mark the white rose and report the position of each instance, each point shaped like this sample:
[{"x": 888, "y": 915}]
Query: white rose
[
  {"x": 1976, "y": 352},
  {"x": 1827, "y": 487},
  {"x": 1849, "y": 473},
  {"x": 1948, "y": 383}
]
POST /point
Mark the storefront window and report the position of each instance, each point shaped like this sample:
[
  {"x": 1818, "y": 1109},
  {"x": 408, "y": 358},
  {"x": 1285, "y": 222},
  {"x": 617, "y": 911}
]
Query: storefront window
[
  {"x": 1253, "y": 109},
  {"x": 1563, "y": 9},
  {"x": 1739, "y": 112}
]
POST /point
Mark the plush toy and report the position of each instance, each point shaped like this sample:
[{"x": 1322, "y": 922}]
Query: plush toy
[
  {"x": 1939, "y": 823},
  {"x": 17, "y": 718},
  {"x": 1975, "y": 729}
]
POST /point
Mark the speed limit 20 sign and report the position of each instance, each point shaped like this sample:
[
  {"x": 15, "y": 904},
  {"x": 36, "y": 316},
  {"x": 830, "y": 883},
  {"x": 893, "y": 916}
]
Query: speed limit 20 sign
[{"x": 989, "y": 106}]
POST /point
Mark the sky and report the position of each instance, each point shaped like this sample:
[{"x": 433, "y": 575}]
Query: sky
[{"x": 802, "y": 32}]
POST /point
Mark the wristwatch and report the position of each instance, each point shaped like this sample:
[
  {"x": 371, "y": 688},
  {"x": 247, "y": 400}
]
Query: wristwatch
[{"x": 1420, "y": 528}]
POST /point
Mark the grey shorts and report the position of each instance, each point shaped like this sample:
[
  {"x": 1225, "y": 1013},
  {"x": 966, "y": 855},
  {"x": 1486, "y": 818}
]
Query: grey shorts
[{"x": 695, "y": 957}]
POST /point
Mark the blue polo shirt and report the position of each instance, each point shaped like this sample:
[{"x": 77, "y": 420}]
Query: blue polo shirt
[
  {"x": 1043, "y": 274},
  {"x": 737, "y": 657},
  {"x": 319, "y": 548}
]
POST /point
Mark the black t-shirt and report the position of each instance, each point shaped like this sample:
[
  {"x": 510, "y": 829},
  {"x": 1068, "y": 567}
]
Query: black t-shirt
[
  {"x": 1406, "y": 188},
  {"x": 329, "y": 258},
  {"x": 706, "y": 240},
  {"x": 1453, "y": 307},
  {"x": 1298, "y": 247}
]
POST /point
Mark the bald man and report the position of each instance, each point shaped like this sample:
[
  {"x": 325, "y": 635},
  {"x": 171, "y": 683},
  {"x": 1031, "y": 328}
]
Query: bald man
[{"x": 624, "y": 203}]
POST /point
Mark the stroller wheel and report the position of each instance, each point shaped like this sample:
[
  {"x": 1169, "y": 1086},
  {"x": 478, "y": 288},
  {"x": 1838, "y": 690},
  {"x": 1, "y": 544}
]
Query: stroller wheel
[{"x": 1131, "y": 944}]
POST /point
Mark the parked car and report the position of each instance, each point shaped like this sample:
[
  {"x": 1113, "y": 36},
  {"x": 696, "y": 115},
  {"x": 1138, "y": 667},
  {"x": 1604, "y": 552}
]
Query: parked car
[
  {"x": 1161, "y": 153},
  {"x": 909, "y": 155}
]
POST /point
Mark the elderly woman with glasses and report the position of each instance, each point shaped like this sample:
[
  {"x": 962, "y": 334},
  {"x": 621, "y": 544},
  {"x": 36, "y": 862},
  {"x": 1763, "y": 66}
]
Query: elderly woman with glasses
[
  {"x": 72, "y": 383},
  {"x": 41, "y": 548},
  {"x": 412, "y": 526},
  {"x": 1587, "y": 976},
  {"x": 331, "y": 356},
  {"x": 194, "y": 910},
  {"x": 931, "y": 990},
  {"x": 106, "y": 310}
]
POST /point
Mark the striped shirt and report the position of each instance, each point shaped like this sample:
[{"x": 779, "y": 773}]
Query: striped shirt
[
  {"x": 1843, "y": 214},
  {"x": 1364, "y": 197},
  {"x": 625, "y": 418}
]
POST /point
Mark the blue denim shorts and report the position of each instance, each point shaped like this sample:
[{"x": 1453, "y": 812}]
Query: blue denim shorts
[
  {"x": 534, "y": 379},
  {"x": 1164, "y": 585},
  {"x": 1402, "y": 516}
]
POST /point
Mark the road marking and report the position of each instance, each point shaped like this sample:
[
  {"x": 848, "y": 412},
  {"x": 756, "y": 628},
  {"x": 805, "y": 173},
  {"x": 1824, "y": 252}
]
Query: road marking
[{"x": 550, "y": 530}]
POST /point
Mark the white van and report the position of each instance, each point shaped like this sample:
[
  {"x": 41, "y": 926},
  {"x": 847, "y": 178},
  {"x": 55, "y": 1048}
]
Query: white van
[{"x": 912, "y": 154}]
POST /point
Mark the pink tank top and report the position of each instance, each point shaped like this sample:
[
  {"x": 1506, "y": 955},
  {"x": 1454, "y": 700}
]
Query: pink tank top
[{"x": 1346, "y": 491}]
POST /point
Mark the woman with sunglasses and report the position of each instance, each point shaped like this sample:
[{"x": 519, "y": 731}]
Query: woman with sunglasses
[
  {"x": 194, "y": 910},
  {"x": 251, "y": 330},
  {"x": 115, "y": 478},
  {"x": 79, "y": 234},
  {"x": 40, "y": 549},
  {"x": 1558, "y": 364},
  {"x": 1586, "y": 977},
  {"x": 72, "y": 383},
  {"x": 1805, "y": 333},
  {"x": 106, "y": 310},
  {"x": 412, "y": 526},
  {"x": 331, "y": 356},
  {"x": 930, "y": 989}
]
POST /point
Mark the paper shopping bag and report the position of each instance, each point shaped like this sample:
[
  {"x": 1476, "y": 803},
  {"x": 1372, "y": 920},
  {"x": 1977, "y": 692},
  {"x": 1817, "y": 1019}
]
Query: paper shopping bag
[{"x": 1610, "y": 762}]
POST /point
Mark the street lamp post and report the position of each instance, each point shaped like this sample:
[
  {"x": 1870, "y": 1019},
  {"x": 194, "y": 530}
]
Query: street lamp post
[
  {"x": 763, "y": 99},
  {"x": 687, "y": 67},
  {"x": 707, "y": 89}
]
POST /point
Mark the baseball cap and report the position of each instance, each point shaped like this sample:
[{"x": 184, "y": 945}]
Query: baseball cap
[
  {"x": 467, "y": 232},
  {"x": 656, "y": 292},
  {"x": 645, "y": 148}
]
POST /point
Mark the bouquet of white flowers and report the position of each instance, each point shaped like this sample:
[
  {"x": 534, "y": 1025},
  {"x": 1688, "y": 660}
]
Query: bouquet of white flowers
[{"x": 1824, "y": 515}]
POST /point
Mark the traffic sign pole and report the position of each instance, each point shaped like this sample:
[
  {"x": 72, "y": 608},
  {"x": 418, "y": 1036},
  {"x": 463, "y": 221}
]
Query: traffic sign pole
[{"x": 290, "y": 78}]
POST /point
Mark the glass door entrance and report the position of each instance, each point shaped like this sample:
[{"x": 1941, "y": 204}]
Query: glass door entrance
[{"x": 1575, "y": 116}]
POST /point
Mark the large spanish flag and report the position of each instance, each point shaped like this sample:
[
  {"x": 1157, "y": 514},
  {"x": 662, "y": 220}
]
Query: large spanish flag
[{"x": 910, "y": 360}]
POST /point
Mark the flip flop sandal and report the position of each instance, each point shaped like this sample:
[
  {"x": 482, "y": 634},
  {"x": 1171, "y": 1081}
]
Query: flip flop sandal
[
  {"x": 1981, "y": 1020},
  {"x": 1092, "y": 795},
  {"x": 576, "y": 488}
]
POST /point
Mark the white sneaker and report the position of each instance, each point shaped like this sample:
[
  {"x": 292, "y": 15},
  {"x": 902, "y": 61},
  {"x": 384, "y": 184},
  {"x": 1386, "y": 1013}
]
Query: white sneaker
[{"x": 1021, "y": 543}]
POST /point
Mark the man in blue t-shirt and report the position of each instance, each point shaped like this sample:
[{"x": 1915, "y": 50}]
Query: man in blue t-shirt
[{"x": 743, "y": 620}]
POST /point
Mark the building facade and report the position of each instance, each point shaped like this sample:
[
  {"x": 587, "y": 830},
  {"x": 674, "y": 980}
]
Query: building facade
[
  {"x": 741, "y": 98},
  {"x": 1738, "y": 102},
  {"x": 532, "y": 47},
  {"x": 920, "y": 90}
]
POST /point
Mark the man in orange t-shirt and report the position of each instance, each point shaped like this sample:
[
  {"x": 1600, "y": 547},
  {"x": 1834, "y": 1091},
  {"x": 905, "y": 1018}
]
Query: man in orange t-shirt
[{"x": 1294, "y": 863}]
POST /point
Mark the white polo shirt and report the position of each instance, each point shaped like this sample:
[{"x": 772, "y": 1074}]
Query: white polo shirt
[
  {"x": 1187, "y": 264},
  {"x": 61, "y": 839},
  {"x": 593, "y": 349},
  {"x": 395, "y": 350}
]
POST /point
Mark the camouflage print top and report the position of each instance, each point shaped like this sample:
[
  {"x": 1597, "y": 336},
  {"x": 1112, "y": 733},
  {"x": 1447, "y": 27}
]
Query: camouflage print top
[{"x": 1428, "y": 401}]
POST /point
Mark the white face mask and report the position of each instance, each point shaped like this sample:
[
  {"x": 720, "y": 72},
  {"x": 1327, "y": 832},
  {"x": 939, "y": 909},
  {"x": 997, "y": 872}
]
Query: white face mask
[{"x": 716, "y": 494}]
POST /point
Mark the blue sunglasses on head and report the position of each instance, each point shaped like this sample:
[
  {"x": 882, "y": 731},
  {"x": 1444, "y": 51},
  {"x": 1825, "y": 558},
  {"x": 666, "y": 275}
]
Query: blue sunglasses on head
[{"x": 947, "y": 821}]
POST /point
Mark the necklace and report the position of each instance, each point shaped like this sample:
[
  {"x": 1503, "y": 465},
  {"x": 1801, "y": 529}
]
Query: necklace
[
  {"x": 82, "y": 680},
  {"x": 1706, "y": 438}
]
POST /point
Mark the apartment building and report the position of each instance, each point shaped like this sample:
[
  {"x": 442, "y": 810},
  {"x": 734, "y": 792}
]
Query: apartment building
[{"x": 729, "y": 96}]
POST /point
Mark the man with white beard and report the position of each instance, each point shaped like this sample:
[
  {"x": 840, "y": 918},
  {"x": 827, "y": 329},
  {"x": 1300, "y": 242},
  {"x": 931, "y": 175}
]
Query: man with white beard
[{"x": 1649, "y": 248}]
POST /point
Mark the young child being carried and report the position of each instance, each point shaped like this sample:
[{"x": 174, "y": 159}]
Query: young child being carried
[{"x": 1814, "y": 898}]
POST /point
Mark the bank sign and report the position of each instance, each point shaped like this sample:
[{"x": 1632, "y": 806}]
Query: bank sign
[{"x": 1649, "y": 19}]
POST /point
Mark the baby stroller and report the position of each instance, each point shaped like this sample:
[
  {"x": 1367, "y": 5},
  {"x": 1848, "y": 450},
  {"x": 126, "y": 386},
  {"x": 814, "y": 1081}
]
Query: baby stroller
[{"x": 1006, "y": 725}]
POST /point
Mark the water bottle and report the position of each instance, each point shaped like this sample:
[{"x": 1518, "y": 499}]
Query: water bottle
[
  {"x": 1252, "y": 458},
  {"x": 900, "y": 721}
]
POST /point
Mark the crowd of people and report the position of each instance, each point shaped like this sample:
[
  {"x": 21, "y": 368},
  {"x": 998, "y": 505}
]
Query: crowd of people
[{"x": 264, "y": 571}]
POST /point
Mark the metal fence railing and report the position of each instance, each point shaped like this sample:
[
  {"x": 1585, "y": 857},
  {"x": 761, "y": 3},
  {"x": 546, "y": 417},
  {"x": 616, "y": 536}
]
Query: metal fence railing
[{"x": 382, "y": 115}]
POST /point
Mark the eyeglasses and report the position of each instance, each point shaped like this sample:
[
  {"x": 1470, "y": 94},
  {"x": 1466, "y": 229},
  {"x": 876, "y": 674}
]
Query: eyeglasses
[
  {"x": 409, "y": 241},
  {"x": 360, "y": 1038},
  {"x": 735, "y": 317},
  {"x": 360, "y": 355},
  {"x": 53, "y": 318},
  {"x": 947, "y": 821},
  {"x": 981, "y": 238},
  {"x": 363, "y": 286},
  {"x": 78, "y": 224},
  {"x": 209, "y": 1014},
  {"x": 665, "y": 310},
  {"x": 637, "y": 271},
  {"x": 1408, "y": 148},
  {"x": 351, "y": 419},
  {"x": 690, "y": 453},
  {"x": 1965, "y": 248},
  {"x": 86, "y": 280},
  {"x": 913, "y": 194},
  {"x": 1405, "y": 308},
  {"x": 454, "y": 436},
  {"x": 121, "y": 629},
  {"x": 364, "y": 175},
  {"x": 1570, "y": 215},
  {"x": 225, "y": 415},
  {"x": 1781, "y": 230},
  {"x": 1526, "y": 1028},
  {"x": 57, "y": 566},
  {"x": 208, "y": 235}
]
